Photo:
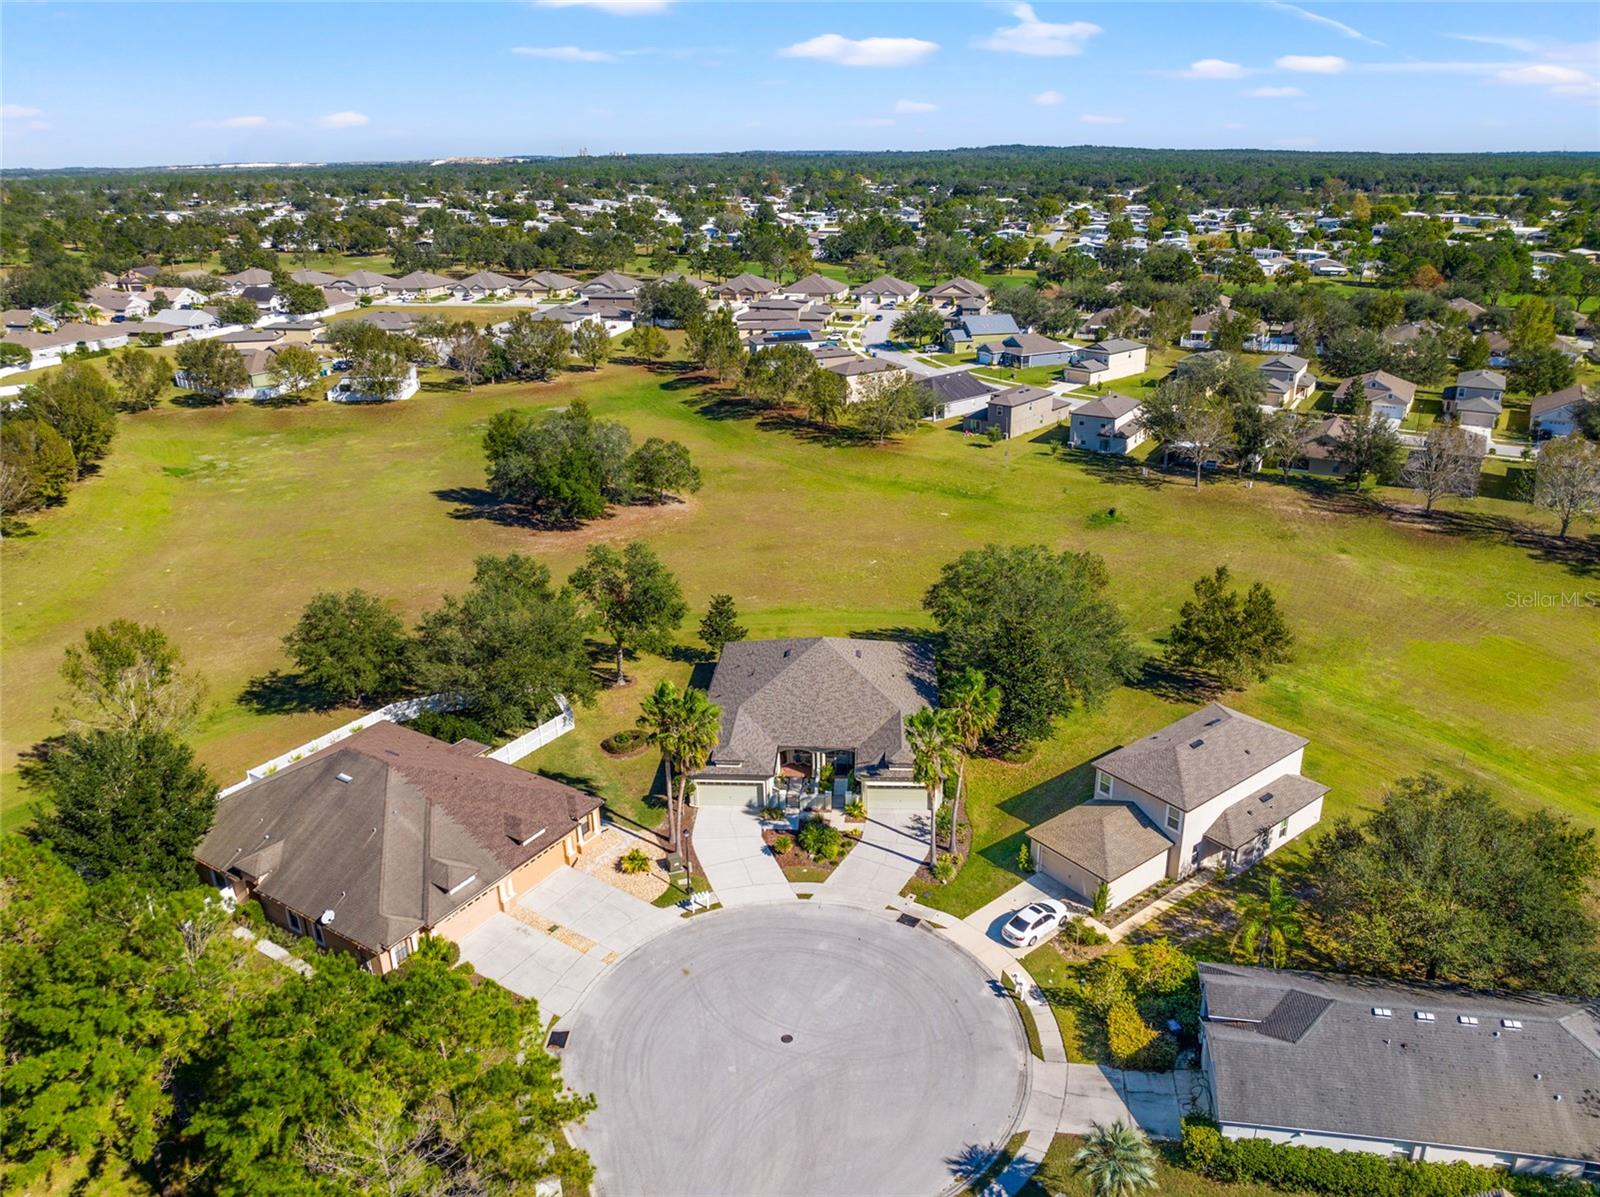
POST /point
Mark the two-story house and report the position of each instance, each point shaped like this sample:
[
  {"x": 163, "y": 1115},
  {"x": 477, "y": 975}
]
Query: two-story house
[
  {"x": 1107, "y": 425},
  {"x": 1216, "y": 789},
  {"x": 1106, "y": 361}
]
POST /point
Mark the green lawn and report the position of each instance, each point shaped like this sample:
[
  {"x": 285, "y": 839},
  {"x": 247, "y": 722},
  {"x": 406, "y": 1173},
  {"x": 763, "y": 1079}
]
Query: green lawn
[
  {"x": 1056, "y": 1178},
  {"x": 1417, "y": 648}
]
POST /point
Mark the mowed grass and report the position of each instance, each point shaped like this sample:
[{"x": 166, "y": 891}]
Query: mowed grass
[{"x": 1418, "y": 649}]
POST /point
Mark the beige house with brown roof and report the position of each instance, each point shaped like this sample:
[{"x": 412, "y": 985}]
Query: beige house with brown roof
[
  {"x": 1216, "y": 789},
  {"x": 391, "y": 835}
]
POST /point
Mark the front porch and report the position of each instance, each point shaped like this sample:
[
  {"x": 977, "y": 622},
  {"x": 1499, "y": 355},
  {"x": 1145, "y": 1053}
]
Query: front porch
[{"x": 814, "y": 779}]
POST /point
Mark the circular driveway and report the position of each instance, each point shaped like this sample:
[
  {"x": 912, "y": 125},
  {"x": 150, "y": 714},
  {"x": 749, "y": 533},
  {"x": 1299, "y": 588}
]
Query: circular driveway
[{"x": 790, "y": 1050}]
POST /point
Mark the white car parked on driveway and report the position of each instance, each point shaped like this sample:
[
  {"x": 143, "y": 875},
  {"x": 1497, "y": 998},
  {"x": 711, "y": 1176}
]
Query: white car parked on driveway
[{"x": 1034, "y": 921}]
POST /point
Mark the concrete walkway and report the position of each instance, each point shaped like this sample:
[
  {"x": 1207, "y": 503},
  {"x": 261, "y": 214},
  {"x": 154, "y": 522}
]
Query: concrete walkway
[
  {"x": 1157, "y": 908},
  {"x": 892, "y": 845},
  {"x": 728, "y": 844}
]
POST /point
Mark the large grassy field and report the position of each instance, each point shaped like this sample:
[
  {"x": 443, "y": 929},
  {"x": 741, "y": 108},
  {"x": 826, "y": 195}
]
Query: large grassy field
[{"x": 1447, "y": 647}]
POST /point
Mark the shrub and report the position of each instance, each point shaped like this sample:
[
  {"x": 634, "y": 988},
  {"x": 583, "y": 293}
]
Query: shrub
[
  {"x": 1104, "y": 985},
  {"x": 781, "y": 844},
  {"x": 855, "y": 809},
  {"x": 1024, "y": 857},
  {"x": 1348, "y": 1173},
  {"x": 1127, "y": 1034},
  {"x": 634, "y": 861},
  {"x": 624, "y": 741},
  {"x": 451, "y": 726},
  {"x": 772, "y": 813},
  {"x": 1159, "y": 1055},
  {"x": 1160, "y": 968},
  {"x": 1102, "y": 898},
  {"x": 944, "y": 868},
  {"x": 820, "y": 840},
  {"x": 1080, "y": 933},
  {"x": 943, "y": 819}
]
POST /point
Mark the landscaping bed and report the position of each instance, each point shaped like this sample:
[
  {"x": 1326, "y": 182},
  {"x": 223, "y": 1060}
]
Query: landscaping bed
[{"x": 800, "y": 865}]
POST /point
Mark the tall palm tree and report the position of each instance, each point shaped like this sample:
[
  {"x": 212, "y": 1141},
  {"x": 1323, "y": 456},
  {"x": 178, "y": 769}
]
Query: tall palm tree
[
  {"x": 933, "y": 749},
  {"x": 661, "y": 720},
  {"x": 1117, "y": 1160},
  {"x": 699, "y": 729},
  {"x": 974, "y": 708},
  {"x": 1268, "y": 926}
]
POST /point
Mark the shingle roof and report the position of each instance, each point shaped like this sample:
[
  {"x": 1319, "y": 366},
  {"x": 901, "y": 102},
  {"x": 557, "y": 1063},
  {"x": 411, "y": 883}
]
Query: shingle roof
[
  {"x": 1377, "y": 385},
  {"x": 1489, "y": 379},
  {"x": 1556, "y": 400},
  {"x": 1020, "y": 395},
  {"x": 252, "y": 277},
  {"x": 1304, "y": 1051},
  {"x": 612, "y": 280},
  {"x": 886, "y": 284},
  {"x": 747, "y": 282},
  {"x": 960, "y": 286},
  {"x": 1116, "y": 345},
  {"x": 989, "y": 325},
  {"x": 1189, "y": 762},
  {"x": 1110, "y": 407},
  {"x": 548, "y": 280},
  {"x": 422, "y": 280},
  {"x": 1107, "y": 838},
  {"x": 955, "y": 384},
  {"x": 817, "y": 284},
  {"x": 488, "y": 280},
  {"x": 1284, "y": 361},
  {"x": 1264, "y": 809},
  {"x": 369, "y": 848},
  {"x": 1031, "y": 343},
  {"x": 367, "y": 278},
  {"x": 819, "y": 692}
]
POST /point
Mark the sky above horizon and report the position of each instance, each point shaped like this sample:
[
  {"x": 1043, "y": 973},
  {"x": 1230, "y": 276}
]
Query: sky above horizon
[{"x": 87, "y": 84}]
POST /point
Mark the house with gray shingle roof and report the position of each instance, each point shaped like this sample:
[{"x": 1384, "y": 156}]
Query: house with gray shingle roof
[
  {"x": 1221, "y": 789},
  {"x": 1409, "y": 1071},
  {"x": 1109, "y": 424},
  {"x": 809, "y": 720},
  {"x": 390, "y": 835}
]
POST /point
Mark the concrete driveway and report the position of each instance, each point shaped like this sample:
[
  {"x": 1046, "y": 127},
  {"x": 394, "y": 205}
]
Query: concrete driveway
[
  {"x": 892, "y": 845},
  {"x": 1106, "y": 1095},
  {"x": 800, "y": 1049},
  {"x": 615, "y": 921},
  {"x": 530, "y": 963},
  {"x": 988, "y": 919},
  {"x": 728, "y": 844}
]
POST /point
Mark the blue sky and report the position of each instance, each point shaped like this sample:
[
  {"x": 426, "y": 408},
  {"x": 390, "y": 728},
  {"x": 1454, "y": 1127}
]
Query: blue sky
[{"x": 144, "y": 84}]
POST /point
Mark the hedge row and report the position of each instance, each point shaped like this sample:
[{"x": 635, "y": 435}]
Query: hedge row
[{"x": 1350, "y": 1173}]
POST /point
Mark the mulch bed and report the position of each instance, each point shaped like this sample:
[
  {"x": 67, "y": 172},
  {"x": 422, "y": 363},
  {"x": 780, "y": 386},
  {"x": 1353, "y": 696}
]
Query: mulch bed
[{"x": 796, "y": 858}]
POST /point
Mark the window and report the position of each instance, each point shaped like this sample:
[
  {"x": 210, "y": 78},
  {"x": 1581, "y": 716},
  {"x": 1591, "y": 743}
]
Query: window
[
  {"x": 1103, "y": 783},
  {"x": 1283, "y": 830},
  {"x": 400, "y": 952},
  {"x": 1174, "y": 818},
  {"x": 316, "y": 934},
  {"x": 294, "y": 923}
]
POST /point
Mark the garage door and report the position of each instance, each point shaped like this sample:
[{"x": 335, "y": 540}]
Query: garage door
[
  {"x": 886, "y": 798},
  {"x": 727, "y": 793}
]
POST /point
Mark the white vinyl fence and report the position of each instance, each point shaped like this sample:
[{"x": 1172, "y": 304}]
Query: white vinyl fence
[{"x": 403, "y": 711}]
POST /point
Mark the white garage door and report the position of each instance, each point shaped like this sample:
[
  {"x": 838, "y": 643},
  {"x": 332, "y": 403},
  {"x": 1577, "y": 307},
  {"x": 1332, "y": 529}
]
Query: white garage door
[
  {"x": 887, "y": 798},
  {"x": 728, "y": 793}
]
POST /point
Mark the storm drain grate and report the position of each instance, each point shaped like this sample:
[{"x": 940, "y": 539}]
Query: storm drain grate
[
  {"x": 909, "y": 920},
  {"x": 785, "y": 1038},
  {"x": 557, "y": 1040}
]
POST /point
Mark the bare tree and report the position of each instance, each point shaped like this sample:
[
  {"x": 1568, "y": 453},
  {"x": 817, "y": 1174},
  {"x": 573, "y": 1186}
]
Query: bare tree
[
  {"x": 1287, "y": 436},
  {"x": 374, "y": 1148},
  {"x": 1566, "y": 479},
  {"x": 1203, "y": 425},
  {"x": 469, "y": 350},
  {"x": 1448, "y": 463}
]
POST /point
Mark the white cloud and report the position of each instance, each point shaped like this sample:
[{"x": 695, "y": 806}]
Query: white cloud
[
  {"x": 1311, "y": 64},
  {"x": 1297, "y": 143},
  {"x": 1040, "y": 39},
  {"x": 1540, "y": 74},
  {"x": 871, "y": 122},
  {"x": 862, "y": 52},
  {"x": 915, "y": 106},
  {"x": 343, "y": 120},
  {"x": 564, "y": 54},
  {"x": 617, "y": 8},
  {"x": 1047, "y": 98},
  {"x": 1214, "y": 68},
  {"x": 17, "y": 112},
  {"x": 1090, "y": 118},
  {"x": 233, "y": 122},
  {"x": 1273, "y": 93},
  {"x": 1325, "y": 22}
]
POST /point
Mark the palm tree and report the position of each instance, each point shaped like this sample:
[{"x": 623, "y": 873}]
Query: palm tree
[
  {"x": 1267, "y": 926},
  {"x": 699, "y": 729},
  {"x": 974, "y": 710},
  {"x": 933, "y": 748},
  {"x": 1117, "y": 1160},
  {"x": 661, "y": 719}
]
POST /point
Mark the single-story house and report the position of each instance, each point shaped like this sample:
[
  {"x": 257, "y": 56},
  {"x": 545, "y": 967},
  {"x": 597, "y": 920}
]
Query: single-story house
[
  {"x": 1096, "y": 324},
  {"x": 612, "y": 282},
  {"x": 267, "y": 300},
  {"x": 967, "y": 329},
  {"x": 1110, "y": 424},
  {"x": 486, "y": 284},
  {"x": 391, "y": 835},
  {"x": 886, "y": 289},
  {"x": 546, "y": 284},
  {"x": 959, "y": 294},
  {"x": 353, "y": 389},
  {"x": 1218, "y": 789},
  {"x": 807, "y": 721},
  {"x": 1555, "y": 414},
  {"x": 855, "y": 370},
  {"x": 1106, "y": 361},
  {"x": 1476, "y": 400},
  {"x": 1202, "y": 331},
  {"x": 955, "y": 393},
  {"x": 1473, "y": 312},
  {"x": 254, "y": 276},
  {"x": 313, "y": 278},
  {"x": 1406, "y": 1071},
  {"x": 1388, "y": 395},
  {"x": 1288, "y": 380},
  {"x": 744, "y": 288},
  {"x": 1023, "y": 350},
  {"x": 815, "y": 287},
  {"x": 1018, "y": 411},
  {"x": 120, "y": 305},
  {"x": 677, "y": 276},
  {"x": 420, "y": 284},
  {"x": 361, "y": 282}
]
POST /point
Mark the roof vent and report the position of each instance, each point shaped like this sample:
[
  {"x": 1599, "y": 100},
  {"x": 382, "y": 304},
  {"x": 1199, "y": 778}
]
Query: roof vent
[
  {"x": 327, "y": 917},
  {"x": 1196, "y": 743},
  {"x": 1425, "y": 1016},
  {"x": 344, "y": 777},
  {"x": 1382, "y": 1012},
  {"x": 1467, "y": 1020}
]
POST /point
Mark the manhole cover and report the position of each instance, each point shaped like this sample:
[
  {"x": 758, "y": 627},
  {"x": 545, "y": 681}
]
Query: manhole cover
[
  {"x": 908, "y": 920},
  {"x": 557, "y": 1040},
  {"x": 785, "y": 1038}
]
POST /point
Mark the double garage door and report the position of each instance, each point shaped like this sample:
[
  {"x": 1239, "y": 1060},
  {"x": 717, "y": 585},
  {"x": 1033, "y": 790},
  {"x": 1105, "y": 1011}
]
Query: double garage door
[
  {"x": 882, "y": 798},
  {"x": 745, "y": 794}
]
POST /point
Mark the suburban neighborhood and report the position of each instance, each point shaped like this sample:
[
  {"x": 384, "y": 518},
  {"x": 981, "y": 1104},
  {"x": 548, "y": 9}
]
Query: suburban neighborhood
[{"x": 562, "y": 640}]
